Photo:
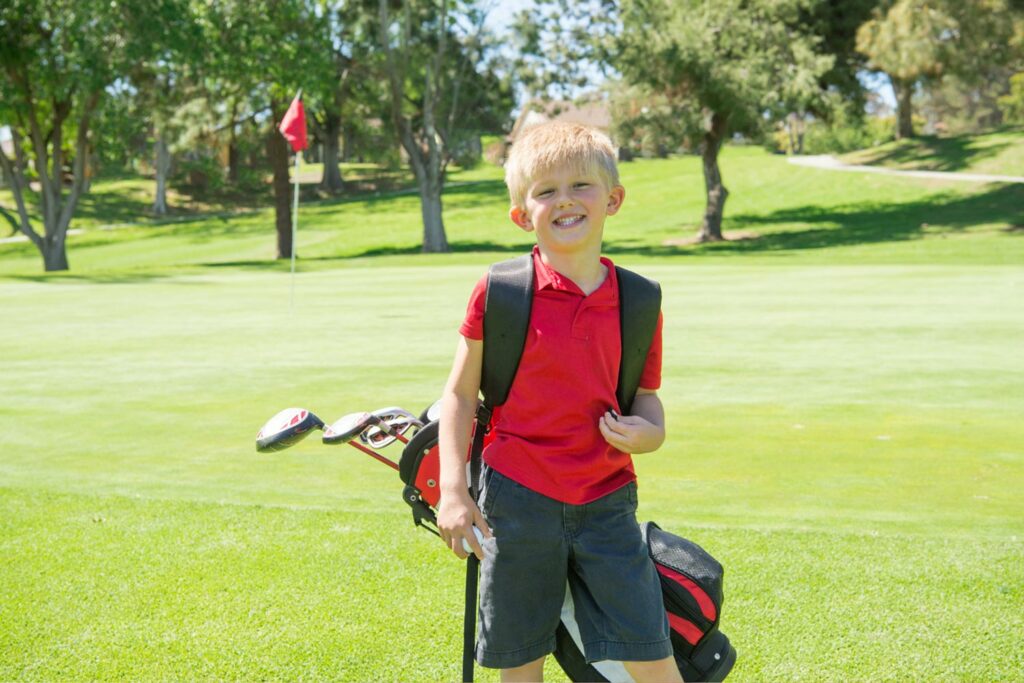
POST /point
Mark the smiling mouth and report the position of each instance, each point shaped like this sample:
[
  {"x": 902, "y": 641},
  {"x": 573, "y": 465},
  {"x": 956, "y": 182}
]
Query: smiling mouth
[{"x": 568, "y": 221}]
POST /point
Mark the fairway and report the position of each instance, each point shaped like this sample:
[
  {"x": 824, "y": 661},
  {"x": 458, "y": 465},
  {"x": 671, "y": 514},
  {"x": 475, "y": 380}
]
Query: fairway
[{"x": 843, "y": 401}]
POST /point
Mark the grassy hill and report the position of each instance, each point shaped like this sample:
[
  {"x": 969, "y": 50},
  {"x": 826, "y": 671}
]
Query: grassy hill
[
  {"x": 997, "y": 153},
  {"x": 793, "y": 213},
  {"x": 843, "y": 396}
]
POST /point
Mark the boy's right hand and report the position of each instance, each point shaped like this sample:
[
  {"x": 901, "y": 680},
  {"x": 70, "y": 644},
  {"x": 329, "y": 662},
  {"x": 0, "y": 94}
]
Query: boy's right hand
[{"x": 457, "y": 514}]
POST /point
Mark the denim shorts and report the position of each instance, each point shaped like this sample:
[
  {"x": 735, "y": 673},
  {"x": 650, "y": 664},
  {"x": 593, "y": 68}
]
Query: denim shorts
[{"x": 540, "y": 546}]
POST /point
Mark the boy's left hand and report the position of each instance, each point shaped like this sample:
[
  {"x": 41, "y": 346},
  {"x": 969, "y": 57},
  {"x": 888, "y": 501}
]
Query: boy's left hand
[{"x": 631, "y": 433}]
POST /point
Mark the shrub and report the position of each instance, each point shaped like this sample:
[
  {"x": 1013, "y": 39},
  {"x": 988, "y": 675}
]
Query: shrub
[
  {"x": 837, "y": 137},
  {"x": 1012, "y": 104}
]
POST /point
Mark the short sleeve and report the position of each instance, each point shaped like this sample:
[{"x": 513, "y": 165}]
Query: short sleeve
[
  {"x": 473, "y": 326},
  {"x": 650, "y": 378}
]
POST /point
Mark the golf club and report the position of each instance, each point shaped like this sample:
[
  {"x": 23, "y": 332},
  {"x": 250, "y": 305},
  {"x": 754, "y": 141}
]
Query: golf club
[
  {"x": 400, "y": 421},
  {"x": 348, "y": 427},
  {"x": 286, "y": 429}
]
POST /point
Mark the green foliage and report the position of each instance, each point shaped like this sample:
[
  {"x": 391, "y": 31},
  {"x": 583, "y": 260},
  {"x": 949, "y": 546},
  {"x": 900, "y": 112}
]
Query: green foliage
[
  {"x": 645, "y": 122},
  {"x": 1012, "y": 104},
  {"x": 199, "y": 174},
  {"x": 733, "y": 58},
  {"x": 842, "y": 134},
  {"x": 120, "y": 130},
  {"x": 837, "y": 23},
  {"x": 956, "y": 105},
  {"x": 913, "y": 40}
]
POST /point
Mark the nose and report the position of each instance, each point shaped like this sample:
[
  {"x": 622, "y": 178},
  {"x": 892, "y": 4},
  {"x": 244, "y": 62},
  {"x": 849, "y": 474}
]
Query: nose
[{"x": 565, "y": 202}]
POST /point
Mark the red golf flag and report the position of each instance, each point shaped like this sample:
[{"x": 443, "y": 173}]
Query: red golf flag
[{"x": 293, "y": 125}]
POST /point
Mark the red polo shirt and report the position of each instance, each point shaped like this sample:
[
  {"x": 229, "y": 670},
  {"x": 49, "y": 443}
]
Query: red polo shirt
[{"x": 546, "y": 435}]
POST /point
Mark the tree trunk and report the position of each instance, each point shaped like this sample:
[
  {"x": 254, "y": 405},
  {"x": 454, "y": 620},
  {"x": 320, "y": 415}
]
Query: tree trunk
[
  {"x": 427, "y": 169},
  {"x": 348, "y": 137},
  {"x": 434, "y": 239},
  {"x": 331, "y": 181},
  {"x": 234, "y": 161},
  {"x": 163, "y": 166},
  {"x": 277, "y": 152},
  {"x": 711, "y": 228},
  {"x": 233, "y": 155},
  {"x": 904, "y": 108},
  {"x": 55, "y": 257}
]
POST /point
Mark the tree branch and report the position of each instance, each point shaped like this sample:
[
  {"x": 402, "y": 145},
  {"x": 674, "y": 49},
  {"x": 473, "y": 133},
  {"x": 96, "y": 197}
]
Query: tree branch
[
  {"x": 18, "y": 186},
  {"x": 81, "y": 154}
]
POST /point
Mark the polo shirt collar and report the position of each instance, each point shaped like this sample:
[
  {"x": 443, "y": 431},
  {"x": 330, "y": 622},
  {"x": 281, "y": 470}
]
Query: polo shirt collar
[{"x": 546, "y": 277}]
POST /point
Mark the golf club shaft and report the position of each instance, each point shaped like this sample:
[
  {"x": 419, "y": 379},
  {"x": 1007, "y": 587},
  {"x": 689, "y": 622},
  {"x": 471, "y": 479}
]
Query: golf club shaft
[{"x": 373, "y": 454}]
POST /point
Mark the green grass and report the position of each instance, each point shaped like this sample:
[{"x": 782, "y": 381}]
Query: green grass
[
  {"x": 797, "y": 213},
  {"x": 843, "y": 397},
  {"x": 996, "y": 153}
]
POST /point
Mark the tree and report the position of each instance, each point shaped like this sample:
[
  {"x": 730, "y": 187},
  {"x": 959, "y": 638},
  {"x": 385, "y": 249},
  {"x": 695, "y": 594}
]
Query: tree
[
  {"x": 837, "y": 22},
  {"x": 56, "y": 61},
  {"x": 917, "y": 42},
  {"x": 261, "y": 52},
  {"x": 722, "y": 65},
  {"x": 162, "y": 87},
  {"x": 351, "y": 43},
  {"x": 438, "y": 82}
]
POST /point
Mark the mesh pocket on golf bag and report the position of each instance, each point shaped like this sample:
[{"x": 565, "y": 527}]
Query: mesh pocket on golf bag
[
  {"x": 691, "y": 582},
  {"x": 691, "y": 586}
]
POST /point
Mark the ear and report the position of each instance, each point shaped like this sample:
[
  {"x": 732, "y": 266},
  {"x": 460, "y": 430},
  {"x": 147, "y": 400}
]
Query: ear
[
  {"x": 615, "y": 199},
  {"x": 520, "y": 218}
]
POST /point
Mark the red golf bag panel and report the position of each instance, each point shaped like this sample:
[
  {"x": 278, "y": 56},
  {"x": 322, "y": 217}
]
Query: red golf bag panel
[{"x": 420, "y": 468}]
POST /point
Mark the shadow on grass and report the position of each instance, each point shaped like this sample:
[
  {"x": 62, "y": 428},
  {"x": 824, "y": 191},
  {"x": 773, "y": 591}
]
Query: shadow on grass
[
  {"x": 932, "y": 153},
  {"x": 98, "y": 278},
  {"x": 829, "y": 226},
  {"x": 859, "y": 224},
  {"x": 796, "y": 228}
]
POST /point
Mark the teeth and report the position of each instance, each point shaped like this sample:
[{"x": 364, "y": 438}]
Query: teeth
[{"x": 568, "y": 220}]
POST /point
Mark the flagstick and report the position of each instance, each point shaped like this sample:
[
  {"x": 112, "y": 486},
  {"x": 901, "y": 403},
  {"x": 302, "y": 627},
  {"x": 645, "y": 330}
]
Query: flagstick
[{"x": 295, "y": 228}]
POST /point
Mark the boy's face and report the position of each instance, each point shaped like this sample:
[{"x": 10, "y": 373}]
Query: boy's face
[{"x": 566, "y": 208}]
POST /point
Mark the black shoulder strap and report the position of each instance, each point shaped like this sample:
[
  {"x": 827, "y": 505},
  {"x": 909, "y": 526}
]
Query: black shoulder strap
[
  {"x": 506, "y": 319},
  {"x": 639, "y": 308}
]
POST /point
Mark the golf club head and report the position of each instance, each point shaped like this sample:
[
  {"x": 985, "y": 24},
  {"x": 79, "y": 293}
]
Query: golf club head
[
  {"x": 286, "y": 429},
  {"x": 348, "y": 427},
  {"x": 395, "y": 422}
]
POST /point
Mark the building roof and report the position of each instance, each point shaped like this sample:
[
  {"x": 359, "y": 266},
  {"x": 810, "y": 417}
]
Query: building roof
[{"x": 594, "y": 113}]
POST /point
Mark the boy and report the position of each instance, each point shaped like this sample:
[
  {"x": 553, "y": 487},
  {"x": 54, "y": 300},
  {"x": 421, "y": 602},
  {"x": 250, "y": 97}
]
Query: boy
[{"x": 559, "y": 495}]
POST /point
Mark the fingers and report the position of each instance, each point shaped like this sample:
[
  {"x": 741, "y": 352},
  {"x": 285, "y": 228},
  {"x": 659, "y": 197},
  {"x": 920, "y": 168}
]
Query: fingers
[
  {"x": 454, "y": 543},
  {"x": 454, "y": 538},
  {"x": 615, "y": 430}
]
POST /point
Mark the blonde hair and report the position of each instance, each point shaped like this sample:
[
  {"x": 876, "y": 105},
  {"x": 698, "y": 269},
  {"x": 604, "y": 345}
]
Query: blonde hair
[{"x": 557, "y": 143}]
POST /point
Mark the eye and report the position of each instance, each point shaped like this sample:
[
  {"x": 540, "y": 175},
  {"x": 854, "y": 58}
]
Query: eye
[
  {"x": 580, "y": 186},
  {"x": 545, "y": 193}
]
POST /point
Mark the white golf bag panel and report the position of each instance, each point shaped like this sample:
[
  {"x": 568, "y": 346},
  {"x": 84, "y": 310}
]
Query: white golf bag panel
[{"x": 612, "y": 671}]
